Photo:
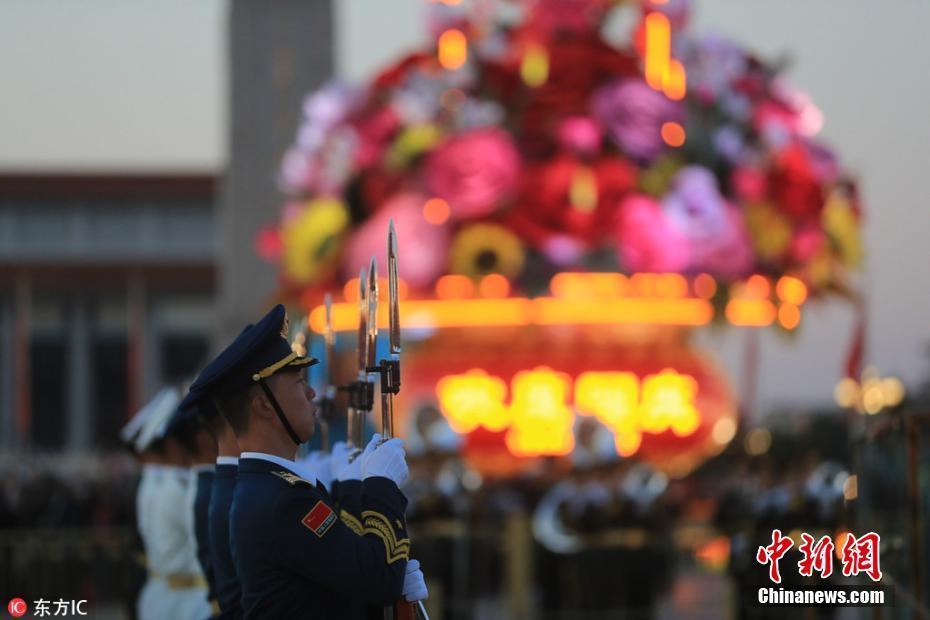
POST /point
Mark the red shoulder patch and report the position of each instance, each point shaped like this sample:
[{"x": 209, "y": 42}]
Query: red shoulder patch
[{"x": 320, "y": 518}]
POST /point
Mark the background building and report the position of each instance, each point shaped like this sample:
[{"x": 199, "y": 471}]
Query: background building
[{"x": 106, "y": 292}]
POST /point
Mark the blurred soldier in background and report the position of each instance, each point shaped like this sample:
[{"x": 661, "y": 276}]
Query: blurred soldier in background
[
  {"x": 189, "y": 426},
  {"x": 138, "y": 435},
  {"x": 227, "y": 467},
  {"x": 225, "y": 585},
  {"x": 176, "y": 587}
]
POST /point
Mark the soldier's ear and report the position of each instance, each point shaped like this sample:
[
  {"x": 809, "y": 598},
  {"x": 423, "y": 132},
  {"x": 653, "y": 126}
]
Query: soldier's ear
[{"x": 259, "y": 405}]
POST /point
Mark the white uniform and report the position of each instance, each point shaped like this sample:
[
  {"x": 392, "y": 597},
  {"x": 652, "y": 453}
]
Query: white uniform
[
  {"x": 148, "y": 606},
  {"x": 176, "y": 588}
]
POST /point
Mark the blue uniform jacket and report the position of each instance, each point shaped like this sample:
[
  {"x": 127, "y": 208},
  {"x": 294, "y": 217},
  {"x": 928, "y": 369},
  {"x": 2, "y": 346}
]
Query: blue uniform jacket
[
  {"x": 228, "y": 591},
  {"x": 298, "y": 556},
  {"x": 201, "y": 527}
]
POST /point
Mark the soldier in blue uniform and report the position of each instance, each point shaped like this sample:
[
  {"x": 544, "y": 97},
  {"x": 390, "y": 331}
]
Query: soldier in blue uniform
[
  {"x": 202, "y": 490},
  {"x": 225, "y": 580},
  {"x": 187, "y": 425},
  {"x": 296, "y": 553},
  {"x": 228, "y": 589}
]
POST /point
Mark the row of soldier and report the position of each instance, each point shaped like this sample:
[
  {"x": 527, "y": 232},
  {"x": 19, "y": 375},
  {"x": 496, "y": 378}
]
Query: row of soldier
[{"x": 235, "y": 525}]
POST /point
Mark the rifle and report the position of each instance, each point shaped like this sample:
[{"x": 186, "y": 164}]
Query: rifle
[
  {"x": 389, "y": 370},
  {"x": 361, "y": 391},
  {"x": 328, "y": 398}
]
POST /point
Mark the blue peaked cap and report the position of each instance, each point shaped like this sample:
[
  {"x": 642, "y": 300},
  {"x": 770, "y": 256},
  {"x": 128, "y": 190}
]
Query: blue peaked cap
[{"x": 260, "y": 351}]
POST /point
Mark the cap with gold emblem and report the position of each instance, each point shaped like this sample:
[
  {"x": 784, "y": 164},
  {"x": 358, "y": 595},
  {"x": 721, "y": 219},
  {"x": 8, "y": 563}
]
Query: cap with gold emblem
[
  {"x": 257, "y": 353},
  {"x": 260, "y": 351}
]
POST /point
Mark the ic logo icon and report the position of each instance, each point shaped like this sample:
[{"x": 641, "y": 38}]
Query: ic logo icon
[{"x": 17, "y": 607}]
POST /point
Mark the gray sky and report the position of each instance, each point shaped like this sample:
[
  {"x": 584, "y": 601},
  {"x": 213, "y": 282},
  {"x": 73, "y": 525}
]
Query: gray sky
[{"x": 140, "y": 85}]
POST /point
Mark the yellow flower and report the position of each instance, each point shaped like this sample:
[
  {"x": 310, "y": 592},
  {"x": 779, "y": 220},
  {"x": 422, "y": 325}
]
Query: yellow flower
[
  {"x": 534, "y": 69},
  {"x": 656, "y": 179},
  {"x": 840, "y": 223},
  {"x": 820, "y": 269},
  {"x": 582, "y": 193},
  {"x": 769, "y": 230},
  {"x": 411, "y": 142},
  {"x": 480, "y": 249},
  {"x": 311, "y": 240}
]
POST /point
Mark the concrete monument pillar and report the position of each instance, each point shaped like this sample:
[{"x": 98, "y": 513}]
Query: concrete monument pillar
[{"x": 279, "y": 50}]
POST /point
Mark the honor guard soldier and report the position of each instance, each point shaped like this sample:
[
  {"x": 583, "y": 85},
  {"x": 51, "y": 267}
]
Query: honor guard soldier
[
  {"x": 138, "y": 435},
  {"x": 176, "y": 587},
  {"x": 296, "y": 555},
  {"x": 226, "y": 581},
  {"x": 192, "y": 425}
]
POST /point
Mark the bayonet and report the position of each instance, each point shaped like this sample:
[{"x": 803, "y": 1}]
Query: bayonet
[
  {"x": 328, "y": 400},
  {"x": 359, "y": 390},
  {"x": 372, "y": 303},
  {"x": 390, "y": 369},
  {"x": 393, "y": 293},
  {"x": 390, "y": 373}
]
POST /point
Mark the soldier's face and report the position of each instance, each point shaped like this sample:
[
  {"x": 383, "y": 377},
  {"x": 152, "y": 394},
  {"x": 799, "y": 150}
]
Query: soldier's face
[{"x": 296, "y": 399}]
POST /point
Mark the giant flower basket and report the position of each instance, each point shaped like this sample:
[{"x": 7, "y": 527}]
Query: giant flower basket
[{"x": 576, "y": 184}]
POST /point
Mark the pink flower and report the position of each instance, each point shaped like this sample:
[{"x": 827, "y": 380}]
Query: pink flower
[
  {"x": 374, "y": 130},
  {"x": 776, "y": 122},
  {"x": 422, "y": 245},
  {"x": 748, "y": 184},
  {"x": 717, "y": 238},
  {"x": 562, "y": 250},
  {"x": 581, "y": 135},
  {"x": 729, "y": 255},
  {"x": 807, "y": 242},
  {"x": 475, "y": 172},
  {"x": 633, "y": 114},
  {"x": 647, "y": 239}
]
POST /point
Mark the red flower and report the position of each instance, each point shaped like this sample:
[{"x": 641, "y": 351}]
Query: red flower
[
  {"x": 748, "y": 183},
  {"x": 577, "y": 66},
  {"x": 377, "y": 185},
  {"x": 374, "y": 130},
  {"x": 794, "y": 185},
  {"x": 565, "y": 195},
  {"x": 395, "y": 74},
  {"x": 577, "y": 17}
]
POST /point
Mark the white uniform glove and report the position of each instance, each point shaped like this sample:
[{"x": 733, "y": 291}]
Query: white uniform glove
[
  {"x": 315, "y": 466},
  {"x": 387, "y": 460},
  {"x": 341, "y": 463},
  {"x": 414, "y": 584}
]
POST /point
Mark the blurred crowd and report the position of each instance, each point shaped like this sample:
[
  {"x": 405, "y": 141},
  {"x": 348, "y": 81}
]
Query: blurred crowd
[{"x": 59, "y": 491}]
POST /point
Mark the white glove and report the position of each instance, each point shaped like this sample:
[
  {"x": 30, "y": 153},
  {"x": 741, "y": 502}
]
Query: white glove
[
  {"x": 414, "y": 584},
  {"x": 387, "y": 460},
  {"x": 315, "y": 466},
  {"x": 343, "y": 466}
]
